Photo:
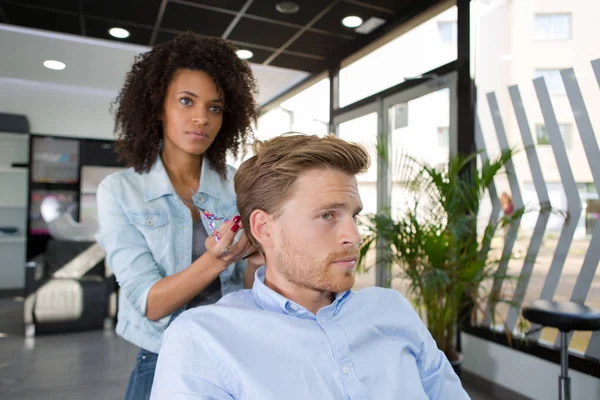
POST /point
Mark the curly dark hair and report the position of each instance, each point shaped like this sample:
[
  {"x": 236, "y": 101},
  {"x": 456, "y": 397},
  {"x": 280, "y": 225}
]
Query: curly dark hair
[{"x": 141, "y": 100}]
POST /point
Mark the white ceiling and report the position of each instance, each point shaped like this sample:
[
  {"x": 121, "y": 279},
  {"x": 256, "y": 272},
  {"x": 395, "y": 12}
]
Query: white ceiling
[{"x": 98, "y": 64}]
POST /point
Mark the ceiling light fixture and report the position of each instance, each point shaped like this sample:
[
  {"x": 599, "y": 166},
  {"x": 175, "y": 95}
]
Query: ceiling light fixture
[
  {"x": 55, "y": 65},
  {"x": 370, "y": 25},
  {"x": 119, "y": 33},
  {"x": 287, "y": 7},
  {"x": 352, "y": 21},
  {"x": 244, "y": 54}
]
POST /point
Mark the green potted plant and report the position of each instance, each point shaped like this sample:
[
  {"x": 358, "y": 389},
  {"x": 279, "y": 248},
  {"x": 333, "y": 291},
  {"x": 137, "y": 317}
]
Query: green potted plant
[{"x": 434, "y": 244}]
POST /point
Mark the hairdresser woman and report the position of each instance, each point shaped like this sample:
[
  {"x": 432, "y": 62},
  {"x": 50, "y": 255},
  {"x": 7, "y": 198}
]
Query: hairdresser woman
[{"x": 183, "y": 106}]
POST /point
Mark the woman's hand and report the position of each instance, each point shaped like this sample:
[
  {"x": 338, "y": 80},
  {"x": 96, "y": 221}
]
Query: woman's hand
[{"x": 225, "y": 251}]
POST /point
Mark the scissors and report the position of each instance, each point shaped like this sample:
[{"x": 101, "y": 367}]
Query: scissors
[{"x": 210, "y": 217}]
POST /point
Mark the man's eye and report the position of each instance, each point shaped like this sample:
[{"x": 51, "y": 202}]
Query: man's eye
[
  {"x": 186, "y": 101},
  {"x": 327, "y": 216}
]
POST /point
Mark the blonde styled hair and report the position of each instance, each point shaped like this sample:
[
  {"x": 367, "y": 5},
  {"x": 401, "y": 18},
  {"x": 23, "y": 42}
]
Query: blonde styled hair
[{"x": 265, "y": 181}]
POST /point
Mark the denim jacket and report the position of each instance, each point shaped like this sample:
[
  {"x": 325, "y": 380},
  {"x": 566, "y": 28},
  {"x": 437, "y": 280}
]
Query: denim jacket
[{"x": 146, "y": 232}]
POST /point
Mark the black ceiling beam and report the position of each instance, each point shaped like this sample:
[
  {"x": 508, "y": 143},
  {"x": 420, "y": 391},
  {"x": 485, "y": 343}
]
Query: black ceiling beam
[
  {"x": 121, "y": 22},
  {"x": 204, "y": 7},
  {"x": 173, "y": 31},
  {"x": 159, "y": 17},
  {"x": 258, "y": 18},
  {"x": 296, "y": 26},
  {"x": 240, "y": 43},
  {"x": 81, "y": 18},
  {"x": 3, "y": 15},
  {"x": 237, "y": 19},
  {"x": 300, "y": 32},
  {"x": 371, "y": 6},
  {"x": 41, "y": 8},
  {"x": 268, "y": 48}
]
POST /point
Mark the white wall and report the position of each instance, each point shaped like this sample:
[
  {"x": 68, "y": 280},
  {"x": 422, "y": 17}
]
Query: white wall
[
  {"x": 528, "y": 375},
  {"x": 59, "y": 109}
]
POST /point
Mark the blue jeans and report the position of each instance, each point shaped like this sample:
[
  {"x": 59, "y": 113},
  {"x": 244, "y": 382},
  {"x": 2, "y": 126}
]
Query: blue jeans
[{"x": 142, "y": 376}]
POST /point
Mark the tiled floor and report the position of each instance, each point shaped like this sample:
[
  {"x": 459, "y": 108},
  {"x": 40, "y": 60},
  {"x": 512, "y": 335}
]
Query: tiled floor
[{"x": 89, "y": 365}]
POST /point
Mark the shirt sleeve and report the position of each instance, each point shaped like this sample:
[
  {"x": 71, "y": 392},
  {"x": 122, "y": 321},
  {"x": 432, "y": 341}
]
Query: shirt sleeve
[
  {"x": 437, "y": 375},
  {"x": 127, "y": 252},
  {"x": 186, "y": 368}
]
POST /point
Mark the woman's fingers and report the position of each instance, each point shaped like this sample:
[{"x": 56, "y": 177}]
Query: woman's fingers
[
  {"x": 238, "y": 249},
  {"x": 224, "y": 248},
  {"x": 227, "y": 232},
  {"x": 242, "y": 246}
]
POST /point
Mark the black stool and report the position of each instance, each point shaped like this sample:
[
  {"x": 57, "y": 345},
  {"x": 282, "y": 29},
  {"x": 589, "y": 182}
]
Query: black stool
[{"x": 565, "y": 316}]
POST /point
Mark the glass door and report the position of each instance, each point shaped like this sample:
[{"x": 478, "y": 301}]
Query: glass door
[
  {"x": 421, "y": 127},
  {"x": 419, "y": 121},
  {"x": 361, "y": 126}
]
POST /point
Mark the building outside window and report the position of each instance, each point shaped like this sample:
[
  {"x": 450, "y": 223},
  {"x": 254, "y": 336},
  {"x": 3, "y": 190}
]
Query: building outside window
[
  {"x": 552, "y": 26},
  {"x": 544, "y": 140},
  {"x": 553, "y": 80}
]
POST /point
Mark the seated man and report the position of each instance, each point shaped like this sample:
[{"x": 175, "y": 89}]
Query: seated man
[{"x": 301, "y": 332}]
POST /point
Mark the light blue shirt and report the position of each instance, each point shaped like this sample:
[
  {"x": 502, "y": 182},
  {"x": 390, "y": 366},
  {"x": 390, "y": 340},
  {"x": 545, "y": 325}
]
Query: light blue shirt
[
  {"x": 147, "y": 233},
  {"x": 257, "y": 345}
]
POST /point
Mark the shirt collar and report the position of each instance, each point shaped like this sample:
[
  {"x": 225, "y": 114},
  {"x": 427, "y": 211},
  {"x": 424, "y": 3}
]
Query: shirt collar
[
  {"x": 157, "y": 182},
  {"x": 268, "y": 299}
]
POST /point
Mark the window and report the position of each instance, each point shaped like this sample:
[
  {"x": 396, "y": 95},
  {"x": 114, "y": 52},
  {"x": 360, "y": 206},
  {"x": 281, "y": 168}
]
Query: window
[
  {"x": 399, "y": 59},
  {"x": 400, "y": 116},
  {"x": 448, "y": 31},
  {"x": 543, "y": 139},
  {"x": 306, "y": 112},
  {"x": 274, "y": 123},
  {"x": 552, "y": 26},
  {"x": 553, "y": 80},
  {"x": 310, "y": 104},
  {"x": 443, "y": 136}
]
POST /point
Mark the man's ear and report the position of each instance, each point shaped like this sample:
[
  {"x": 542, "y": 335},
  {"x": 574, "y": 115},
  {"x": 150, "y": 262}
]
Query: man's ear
[{"x": 261, "y": 228}]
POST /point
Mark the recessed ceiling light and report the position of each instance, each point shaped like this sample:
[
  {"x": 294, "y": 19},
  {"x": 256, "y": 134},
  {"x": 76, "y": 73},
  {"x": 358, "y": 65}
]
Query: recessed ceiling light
[
  {"x": 119, "y": 33},
  {"x": 244, "y": 54},
  {"x": 287, "y": 7},
  {"x": 352, "y": 21},
  {"x": 53, "y": 64}
]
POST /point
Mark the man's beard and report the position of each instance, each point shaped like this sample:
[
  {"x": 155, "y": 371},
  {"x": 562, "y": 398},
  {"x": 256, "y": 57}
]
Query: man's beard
[{"x": 304, "y": 270}]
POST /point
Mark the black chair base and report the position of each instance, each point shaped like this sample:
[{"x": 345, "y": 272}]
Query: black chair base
[{"x": 564, "y": 382}]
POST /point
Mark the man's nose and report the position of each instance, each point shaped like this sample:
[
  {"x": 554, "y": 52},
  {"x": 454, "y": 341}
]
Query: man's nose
[{"x": 351, "y": 233}]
